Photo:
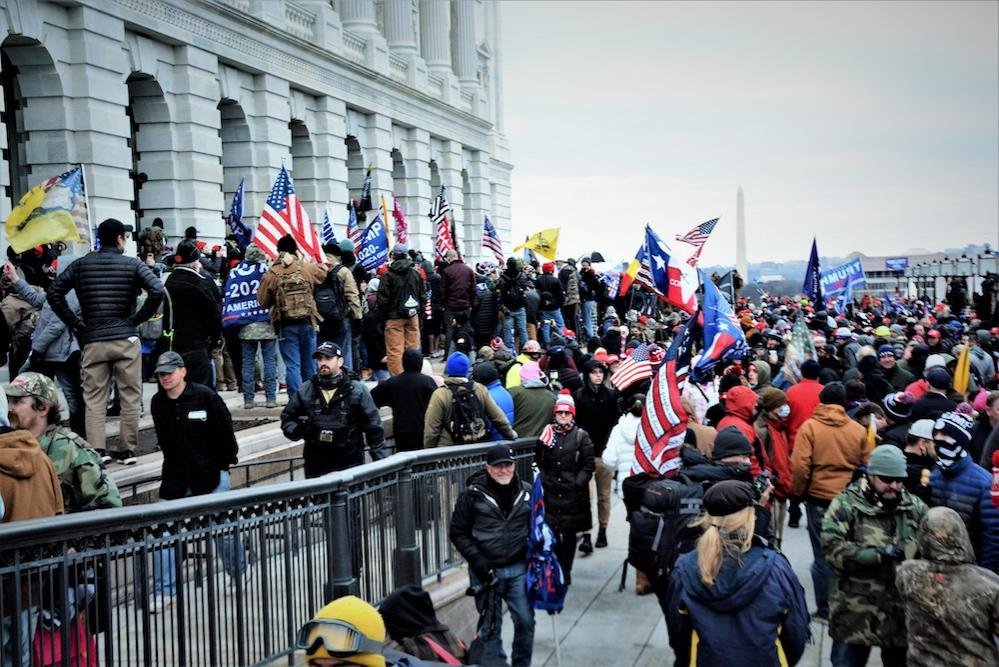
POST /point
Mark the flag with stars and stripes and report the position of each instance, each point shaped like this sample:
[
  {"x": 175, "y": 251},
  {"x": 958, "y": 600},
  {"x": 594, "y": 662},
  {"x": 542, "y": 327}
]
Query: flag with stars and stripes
[
  {"x": 401, "y": 225},
  {"x": 633, "y": 368},
  {"x": 283, "y": 214},
  {"x": 353, "y": 231},
  {"x": 329, "y": 236},
  {"x": 490, "y": 240},
  {"x": 697, "y": 237},
  {"x": 439, "y": 208}
]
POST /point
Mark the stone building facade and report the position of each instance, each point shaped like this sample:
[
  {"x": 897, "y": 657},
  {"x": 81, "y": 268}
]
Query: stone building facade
[{"x": 169, "y": 103}]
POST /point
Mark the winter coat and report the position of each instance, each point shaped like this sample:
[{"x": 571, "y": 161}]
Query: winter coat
[
  {"x": 772, "y": 435},
  {"x": 485, "y": 314},
  {"x": 596, "y": 412},
  {"x": 566, "y": 468},
  {"x": 930, "y": 406},
  {"x": 51, "y": 340},
  {"x": 197, "y": 302},
  {"x": 502, "y": 398},
  {"x": 107, "y": 284},
  {"x": 532, "y": 408},
  {"x": 569, "y": 280},
  {"x": 620, "y": 450},
  {"x": 951, "y": 606},
  {"x": 285, "y": 264},
  {"x": 400, "y": 275},
  {"x": 966, "y": 488},
  {"x": 828, "y": 448},
  {"x": 84, "y": 482},
  {"x": 919, "y": 472},
  {"x": 740, "y": 411},
  {"x": 408, "y": 394},
  {"x": 435, "y": 427},
  {"x": 350, "y": 416},
  {"x": 458, "y": 286},
  {"x": 28, "y": 481},
  {"x": 898, "y": 377},
  {"x": 864, "y": 606},
  {"x": 484, "y": 536},
  {"x": 590, "y": 287},
  {"x": 550, "y": 291},
  {"x": 194, "y": 432},
  {"x": 508, "y": 279},
  {"x": 755, "y": 614}
]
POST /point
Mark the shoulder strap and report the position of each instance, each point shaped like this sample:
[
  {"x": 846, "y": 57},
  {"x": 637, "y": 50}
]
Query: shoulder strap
[{"x": 446, "y": 656}]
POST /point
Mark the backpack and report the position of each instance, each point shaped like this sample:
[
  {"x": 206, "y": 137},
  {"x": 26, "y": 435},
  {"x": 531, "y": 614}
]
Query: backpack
[
  {"x": 330, "y": 301},
  {"x": 468, "y": 421},
  {"x": 408, "y": 303},
  {"x": 515, "y": 291},
  {"x": 294, "y": 296},
  {"x": 660, "y": 511},
  {"x": 158, "y": 324}
]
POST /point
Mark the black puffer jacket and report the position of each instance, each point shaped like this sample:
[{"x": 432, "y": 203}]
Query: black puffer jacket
[
  {"x": 107, "y": 284},
  {"x": 566, "y": 468},
  {"x": 194, "y": 310},
  {"x": 485, "y": 315},
  {"x": 485, "y": 537}
]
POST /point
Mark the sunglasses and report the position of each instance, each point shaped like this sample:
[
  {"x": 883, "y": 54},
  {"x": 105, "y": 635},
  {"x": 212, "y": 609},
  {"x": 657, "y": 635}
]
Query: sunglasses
[
  {"x": 563, "y": 412},
  {"x": 339, "y": 638},
  {"x": 891, "y": 480}
]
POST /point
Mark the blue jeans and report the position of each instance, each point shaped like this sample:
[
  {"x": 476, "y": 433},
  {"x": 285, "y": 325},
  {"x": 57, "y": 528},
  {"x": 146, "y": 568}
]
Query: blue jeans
[
  {"x": 512, "y": 588},
  {"x": 268, "y": 351},
  {"x": 589, "y": 320},
  {"x": 24, "y": 626},
  {"x": 298, "y": 343},
  {"x": 345, "y": 339},
  {"x": 230, "y": 547},
  {"x": 547, "y": 316},
  {"x": 515, "y": 319},
  {"x": 820, "y": 568}
]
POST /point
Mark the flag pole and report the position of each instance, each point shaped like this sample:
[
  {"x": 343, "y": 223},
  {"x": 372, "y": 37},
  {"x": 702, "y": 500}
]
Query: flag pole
[
  {"x": 558, "y": 647},
  {"x": 86, "y": 193}
]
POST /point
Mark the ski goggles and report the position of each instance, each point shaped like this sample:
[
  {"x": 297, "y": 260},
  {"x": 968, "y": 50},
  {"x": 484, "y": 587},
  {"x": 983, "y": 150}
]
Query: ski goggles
[{"x": 339, "y": 638}]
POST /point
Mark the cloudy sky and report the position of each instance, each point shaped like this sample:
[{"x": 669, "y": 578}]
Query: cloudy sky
[{"x": 874, "y": 126}]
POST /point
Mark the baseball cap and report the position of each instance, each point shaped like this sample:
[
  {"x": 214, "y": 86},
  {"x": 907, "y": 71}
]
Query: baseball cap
[
  {"x": 327, "y": 349},
  {"x": 33, "y": 384},
  {"x": 111, "y": 229},
  {"x": 922, "y": 428},
  {"x": 499, "y": 453},
  {"x": 169, "y": 362}
]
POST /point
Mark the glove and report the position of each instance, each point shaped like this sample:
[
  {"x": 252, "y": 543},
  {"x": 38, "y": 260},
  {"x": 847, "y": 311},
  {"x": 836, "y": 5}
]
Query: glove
[{"x": 891, "y": 553}]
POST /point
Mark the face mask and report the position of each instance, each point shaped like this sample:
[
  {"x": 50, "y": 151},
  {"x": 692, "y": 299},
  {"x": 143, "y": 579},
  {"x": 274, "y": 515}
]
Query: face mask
[
  {"x": 326, "y": 381},
  {"x": 783, "y": 411}
]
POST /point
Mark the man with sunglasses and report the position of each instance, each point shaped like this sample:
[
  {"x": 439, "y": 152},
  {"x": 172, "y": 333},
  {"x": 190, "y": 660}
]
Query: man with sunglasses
[{"x": 868, "y": 529}]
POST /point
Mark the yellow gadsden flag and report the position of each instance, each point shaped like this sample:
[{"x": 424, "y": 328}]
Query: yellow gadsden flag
[
  {"x": 54, "y": 211},
  {"x": 544, "y": 243},
  {"x": 962, "y": 374}
]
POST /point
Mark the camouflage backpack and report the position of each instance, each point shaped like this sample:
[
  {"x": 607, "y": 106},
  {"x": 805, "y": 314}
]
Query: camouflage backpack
[{"x": 294, "y": 296}]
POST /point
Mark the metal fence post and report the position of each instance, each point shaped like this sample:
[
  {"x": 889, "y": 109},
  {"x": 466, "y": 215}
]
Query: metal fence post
[
  {"x": 407, "y": 552},
  {"x": 344, "y": 579}
]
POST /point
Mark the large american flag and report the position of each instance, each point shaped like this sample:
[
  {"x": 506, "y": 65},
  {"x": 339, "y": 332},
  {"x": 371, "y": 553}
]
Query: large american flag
[
  {"x": 633, "y": 368},
  {"x": 664, "y": 421},
  {"x": 283, "y": 214},
  {"x": 697, "y": 237},
  {"x": 439, "y": 208},
  {"x": 353, "y": 230},
  {"x": 490, "y": 240}
]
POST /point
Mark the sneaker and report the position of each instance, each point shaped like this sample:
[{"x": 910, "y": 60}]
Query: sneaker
[
  {"x": 601, "y": 538},
  {"x": 105, "y": 457},
  {"x": 271, "y": 404},
  {"x": 158, "y": 603},
  {"x": 125, "y": 458},
  {"x": 249, "y": 405}
]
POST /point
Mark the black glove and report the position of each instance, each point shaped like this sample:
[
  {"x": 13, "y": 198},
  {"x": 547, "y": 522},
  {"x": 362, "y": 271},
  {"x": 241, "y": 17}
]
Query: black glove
[{"x": 891, "y": 553}]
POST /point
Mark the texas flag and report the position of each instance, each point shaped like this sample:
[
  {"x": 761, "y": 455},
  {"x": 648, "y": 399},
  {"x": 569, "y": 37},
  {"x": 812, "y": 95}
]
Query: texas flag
[
  {"x": 674, "y": 280},
  {"x": 723, "y": 337}
]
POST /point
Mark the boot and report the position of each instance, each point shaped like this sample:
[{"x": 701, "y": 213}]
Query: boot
[
  {"x": 642, "y": 584},
  {"x": 601, "y": 538},
  {"x": 586, "y": 547}
]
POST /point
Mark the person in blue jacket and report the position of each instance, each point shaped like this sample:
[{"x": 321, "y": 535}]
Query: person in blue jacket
[
  {"x": 733, "y": 600},
  {"x": 964, "y": 486},
  {"x": 485, "y": 373}
]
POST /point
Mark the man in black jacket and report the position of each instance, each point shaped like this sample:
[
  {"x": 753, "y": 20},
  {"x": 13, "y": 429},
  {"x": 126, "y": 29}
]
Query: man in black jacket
[
  {"x": 408, "y": 394},
  {"x": 513, "y": 287},
  {"x": 489, "y": 527},
  {"x": 194, "y": 311},
  {"x": 107, "y": 283},
  {"x": 550, "y": 307},
  {"x": 334, "y": 415},
  {"x": 458, "y": 292}
]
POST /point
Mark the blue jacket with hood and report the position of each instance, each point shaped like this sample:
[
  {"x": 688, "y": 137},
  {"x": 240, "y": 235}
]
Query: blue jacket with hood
[{"x": 755, "y": 614}]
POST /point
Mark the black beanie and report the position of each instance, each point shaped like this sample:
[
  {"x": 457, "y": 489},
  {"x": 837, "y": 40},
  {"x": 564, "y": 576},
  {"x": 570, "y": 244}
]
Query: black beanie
[
  {"x": 728, "y": 497},
  {"x": 833, "y": 393},
  {"x": 730, "y": 442},
  {"x": 485, "y": 373},
  {"x": 287, "y": 244},
  {"x": 810, "y": 369}
]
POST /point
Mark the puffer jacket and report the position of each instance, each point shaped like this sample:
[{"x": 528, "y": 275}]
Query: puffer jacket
[
  {"x": 107, "y": 283},
  {"x": 51, "y": 340},
  {"x": 827, "y": 449},
  {"x": 740, "y": 410},
  {"x": 566, "y": 468},
  {"x": 952, "y": 606},
  {"x": 484, "y": 536},
  {"x": 755, "y": 614},
  {"x": 485, "y": 315},
  {"x": 400, "y": 274},
  {"x": 966, "y": 488},
  {"x": 620, "y": 450}
]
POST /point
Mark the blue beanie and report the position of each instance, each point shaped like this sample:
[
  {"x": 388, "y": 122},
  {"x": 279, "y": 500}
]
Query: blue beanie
[{"x": 457, "y": 365}]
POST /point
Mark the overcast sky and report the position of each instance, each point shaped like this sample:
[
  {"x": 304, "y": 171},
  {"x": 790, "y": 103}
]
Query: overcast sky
[{"x": 874, "y": 126}]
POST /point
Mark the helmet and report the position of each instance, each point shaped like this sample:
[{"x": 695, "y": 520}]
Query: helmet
[{"x": 347, "y": 628}]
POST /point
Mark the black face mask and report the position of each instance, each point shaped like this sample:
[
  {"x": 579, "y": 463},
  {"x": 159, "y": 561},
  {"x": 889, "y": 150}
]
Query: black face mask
[{"x": 327, "y": 381}]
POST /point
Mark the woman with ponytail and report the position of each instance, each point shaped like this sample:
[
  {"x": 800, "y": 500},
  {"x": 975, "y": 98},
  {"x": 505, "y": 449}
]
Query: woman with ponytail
[
  {"x": 733, "y": 600},
  {"x": 564, "y": 456}
]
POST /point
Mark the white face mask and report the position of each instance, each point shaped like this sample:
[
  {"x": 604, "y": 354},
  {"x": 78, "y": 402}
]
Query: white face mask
[{"x": 783, "y": 411}]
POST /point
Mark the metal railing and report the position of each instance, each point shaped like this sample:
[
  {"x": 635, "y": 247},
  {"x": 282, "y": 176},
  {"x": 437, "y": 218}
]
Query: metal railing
[{"x": 227, "y": 579}]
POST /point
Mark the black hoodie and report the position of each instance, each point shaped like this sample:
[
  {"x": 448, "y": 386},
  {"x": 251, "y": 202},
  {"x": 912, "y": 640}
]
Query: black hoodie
[{"x": 408, "y": 394}]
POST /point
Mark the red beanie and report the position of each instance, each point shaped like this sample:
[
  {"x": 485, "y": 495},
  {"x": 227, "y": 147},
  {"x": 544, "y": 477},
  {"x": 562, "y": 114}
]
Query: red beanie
[
  {"x": 548, "y": 267},
  {"x": 564, "y": 402}
]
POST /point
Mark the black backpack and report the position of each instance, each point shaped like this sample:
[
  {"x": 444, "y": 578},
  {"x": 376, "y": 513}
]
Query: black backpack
[
  {"x": 468, "y": 416},
  {"x": 408, "y": 303},
  {"x": 660, "y": 512},
  {"x": 514, "y": 292},
  {"x": 330, "y": 301}
]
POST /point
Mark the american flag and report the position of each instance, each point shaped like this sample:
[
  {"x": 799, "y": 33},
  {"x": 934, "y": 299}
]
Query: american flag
[
  {"x": 632, "y": 369},
  {"x": 401, "y": 226},
  {"x": 697, "y": 237},
  {"x": 283, "y": 214},
  {"x": 664, "y": 421},
  {"x": 353, "y": 231},
  {"x": 490, "y": 240},
  {"x": 329, "y": 236},
  {"x": 439, "y": 209}
]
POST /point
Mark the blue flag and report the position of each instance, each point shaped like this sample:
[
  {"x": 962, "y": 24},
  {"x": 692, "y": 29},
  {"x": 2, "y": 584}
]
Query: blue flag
[
  {"x": 329, "y": 236},
  {"x": 813, "y": 286},
  {"x": 235, "y": 218},
  {"x": 546, "y": 587},
  {"x": 239, "y": 299},
  {"x": 723, "y": 337},
  {"x": 373, "y": 250}
]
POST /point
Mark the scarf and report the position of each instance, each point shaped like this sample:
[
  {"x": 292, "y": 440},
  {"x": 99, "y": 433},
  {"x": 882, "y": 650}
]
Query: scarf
[{"x": 548, "y": 436}]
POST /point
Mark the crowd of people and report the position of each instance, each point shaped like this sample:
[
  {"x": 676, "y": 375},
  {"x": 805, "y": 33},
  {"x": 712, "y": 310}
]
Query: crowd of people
[{"x": 879, "y": 425}]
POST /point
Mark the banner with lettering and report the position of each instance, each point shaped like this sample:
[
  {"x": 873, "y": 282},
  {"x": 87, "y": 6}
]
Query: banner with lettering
[
  {"x": 373, "y": 251},
  {"x": 836, "y": 280},
  {"x": 239, "y": 300}
]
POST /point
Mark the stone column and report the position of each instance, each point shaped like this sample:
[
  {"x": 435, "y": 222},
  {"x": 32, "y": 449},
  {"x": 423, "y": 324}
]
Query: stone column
[
  {"x": 267, "y": 117},
  {"x": 500, "y": 195},
  {"x": 465, "y": 56},
  {"x": 358, "y": 16},
  {"x": 449, "y": 163},
  {"x": 435, "y": 35},
  {"x": 415, "y": 148},
  {"x": 477, "y": 204},
  {"x": 331, "y": 161},
  {"x": 5, "y": 203},
  {"x": 399, "y": 29},
  {"x": 376, "y": 146}
]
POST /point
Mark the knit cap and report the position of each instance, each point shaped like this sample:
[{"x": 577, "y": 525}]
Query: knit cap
[
  {"x": 457, "y": 365},
  {"x": 730, "y": 442},
  {"x": 897, "y": 405},
  {"x": 728, "y": 497},
  {"x": 485, "y": 373},
  {"x": 564, "y": 402},
  {"x": 938, "y": 377},
  {"x": 530, "y": 371},
  {"x": 958, "y": 427},
  {"x": 772, "y": 398}
]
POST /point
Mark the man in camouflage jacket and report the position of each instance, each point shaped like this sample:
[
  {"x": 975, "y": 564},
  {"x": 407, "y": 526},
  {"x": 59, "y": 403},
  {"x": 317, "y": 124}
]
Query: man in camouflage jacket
[
  {"x": 33, "y": 405},
  {"x": 868, "y": 529}
]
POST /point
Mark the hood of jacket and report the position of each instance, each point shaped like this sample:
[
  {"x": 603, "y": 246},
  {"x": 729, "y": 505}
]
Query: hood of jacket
[
  {"x": 412, "y": 360},
  {"x": 831, "y": 415},
  {"x": 762, "y": 373},
  {"x": 739, "y": 581},
  {"x": 741, "y": 402},
  {"x": 401, "y": 265},
  {"x": 19, "y": 454},
  {"x": 943, "y": 537}
]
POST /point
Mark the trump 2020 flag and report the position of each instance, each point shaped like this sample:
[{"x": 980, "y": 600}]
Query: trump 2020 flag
[
  {"x": 813, "y": 287},
  {"x": 329, "y": 236},
  {"x": 546, "y": 587},
  {"x": 235, "y": 218},
  {"x": 676, "y": 281},
  {"x": 373, "y": 251},
  {"x": 723, "y": 337},
  {"x": 54, "y": 211}
]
